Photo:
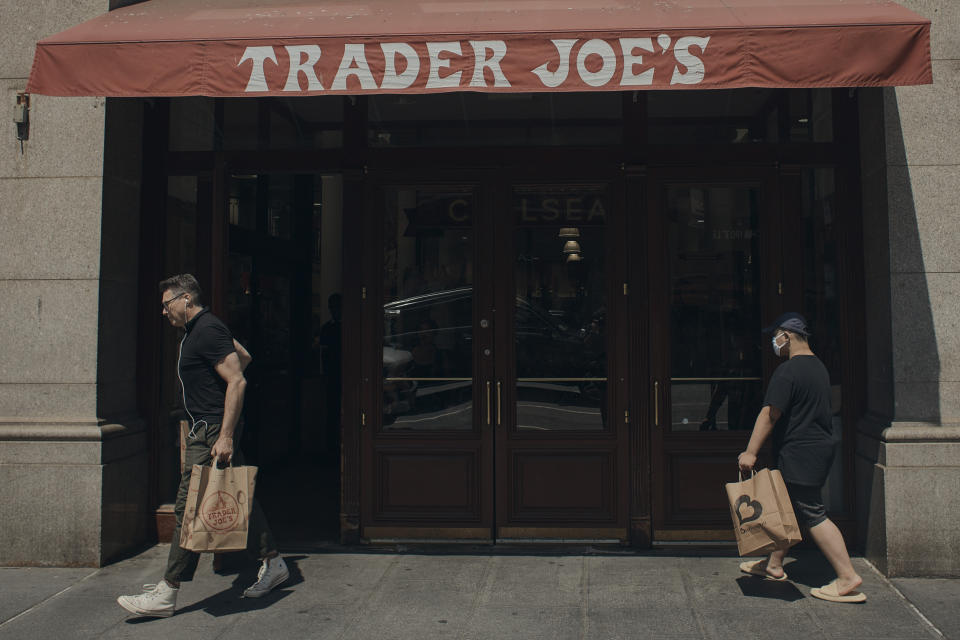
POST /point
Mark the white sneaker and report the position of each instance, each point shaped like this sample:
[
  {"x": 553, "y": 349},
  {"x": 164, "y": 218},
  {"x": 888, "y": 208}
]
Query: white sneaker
[
  {"x": 273, "y": 572},
  {"x": 156, "y": 601}
]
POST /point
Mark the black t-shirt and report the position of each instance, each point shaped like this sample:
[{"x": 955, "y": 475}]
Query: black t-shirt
[
  {"x": 803, "y": 443},
  {"x": 207, "y": 342}
]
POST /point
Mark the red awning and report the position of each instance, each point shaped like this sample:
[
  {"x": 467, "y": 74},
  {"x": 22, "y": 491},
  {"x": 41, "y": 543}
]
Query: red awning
[{"x": 285, "y": 47}]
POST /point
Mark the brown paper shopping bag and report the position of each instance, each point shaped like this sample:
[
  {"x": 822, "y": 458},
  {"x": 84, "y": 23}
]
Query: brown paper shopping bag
[
  {"x": 763, "y": 518},
  {"x": 217, "y": 514}
]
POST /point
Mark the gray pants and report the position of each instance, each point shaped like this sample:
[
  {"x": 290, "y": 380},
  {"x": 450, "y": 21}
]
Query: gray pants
[{"x": 182, "y": 563}]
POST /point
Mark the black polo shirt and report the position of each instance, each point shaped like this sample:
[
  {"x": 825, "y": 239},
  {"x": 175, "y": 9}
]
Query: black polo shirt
[
  {"x": 206, "y": 342},
  {"x": 803, "y": 442}
]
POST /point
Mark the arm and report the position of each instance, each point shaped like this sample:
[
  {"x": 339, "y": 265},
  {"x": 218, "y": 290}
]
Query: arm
[
  {"x": 231, "y": 370},
  {"x": 243, "y": 354},
  {"x": 761, "y": 429}
]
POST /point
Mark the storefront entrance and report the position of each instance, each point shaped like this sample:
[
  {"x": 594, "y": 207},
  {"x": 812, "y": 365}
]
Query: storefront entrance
[
  {"x": 497, "y": 418},
  {"x": 580, "y": 359},
  {"x": 538, "y": 342}
]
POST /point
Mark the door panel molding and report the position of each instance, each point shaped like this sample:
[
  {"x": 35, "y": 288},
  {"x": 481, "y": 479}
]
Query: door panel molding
[
  {"x": 561, "y": 485},
  {"x": 420, "y": 484}
]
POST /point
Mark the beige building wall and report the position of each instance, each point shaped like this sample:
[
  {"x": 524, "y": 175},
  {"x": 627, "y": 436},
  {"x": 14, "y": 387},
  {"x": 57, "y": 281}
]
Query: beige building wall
[
  {"x": 72, "y": 452},
  {"x": 909, "y": 445},
  {"x": 73, "y": 460}
]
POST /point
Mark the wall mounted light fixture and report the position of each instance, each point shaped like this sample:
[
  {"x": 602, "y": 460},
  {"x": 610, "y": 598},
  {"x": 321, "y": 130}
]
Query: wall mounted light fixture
[{"x": 21, "y": 117}]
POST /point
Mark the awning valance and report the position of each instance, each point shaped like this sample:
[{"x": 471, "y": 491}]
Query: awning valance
[{"x": 285, "y": 47}]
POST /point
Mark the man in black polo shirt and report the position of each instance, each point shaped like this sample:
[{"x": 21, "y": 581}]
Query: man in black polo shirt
[
  {"x": 796, "y": 410},
  {"x": 210, "y": 368}
]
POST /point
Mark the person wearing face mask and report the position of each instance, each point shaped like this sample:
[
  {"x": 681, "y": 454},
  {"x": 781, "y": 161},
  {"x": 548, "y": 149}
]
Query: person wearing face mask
[{"x": 796, "y": 413}]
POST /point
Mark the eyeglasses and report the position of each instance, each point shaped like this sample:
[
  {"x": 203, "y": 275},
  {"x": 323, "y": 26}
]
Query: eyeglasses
[{"x": 166, "y": 303}]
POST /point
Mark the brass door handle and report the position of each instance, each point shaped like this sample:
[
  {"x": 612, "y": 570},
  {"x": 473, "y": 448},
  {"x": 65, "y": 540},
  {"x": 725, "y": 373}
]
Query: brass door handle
[
  {"x": 498, "y": 403},
  {"x": 488, "y": 402},
  {"x": 656, "y": 403}
]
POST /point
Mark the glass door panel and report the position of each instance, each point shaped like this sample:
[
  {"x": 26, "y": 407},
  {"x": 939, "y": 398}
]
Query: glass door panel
[
  {"x": 560, "y": 312},
  {"x": 428, "y": 310},
  {"x": 715, "y": 362},
  {"x": 714, "y": 277},
  {"x": 561, "y": 451}
]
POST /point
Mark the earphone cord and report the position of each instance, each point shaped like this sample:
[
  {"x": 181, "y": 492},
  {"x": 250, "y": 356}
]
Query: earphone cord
[{"x": 194, "y": 424}]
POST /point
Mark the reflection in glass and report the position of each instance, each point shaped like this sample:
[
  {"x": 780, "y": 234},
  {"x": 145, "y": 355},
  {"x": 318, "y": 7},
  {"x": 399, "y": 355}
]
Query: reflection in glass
[
  {"x": 240, "y": 297},
  {"x": 192, "y": 124},
  {"x": 187, "y": 196},
  {"x": 821, "y": 303},
  {"x": 280, "y": 205},
  {"x": 242, "y": 203},
  {"x": 428, "y": 310},
  {"x": 305, "y": 122},
  {"x": 739, "y": 116},
  {"x": 560, "y": 312},
  {"x": 715, "y": 310},
  {"x": 486, "y": 119}
]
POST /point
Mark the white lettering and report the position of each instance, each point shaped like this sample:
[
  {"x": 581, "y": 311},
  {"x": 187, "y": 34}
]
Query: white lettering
[
  {"x": 629, "y": 45},
  {"x": 258, "y": 80},
  {"x": 434, "y": 49},
  {"x": 391, "y": 79},
  {"x": 694, "y": 65},
  {"x": 306, "y": 67},
  {"x": 607, "y": 68},
  {"x": 480, "y": 61},
  {"x": 354, "y": 63},
  {"x": 455, "y": 207},
  {"x": 596, "y": 211},
  {"x": 556, "y": 78}
]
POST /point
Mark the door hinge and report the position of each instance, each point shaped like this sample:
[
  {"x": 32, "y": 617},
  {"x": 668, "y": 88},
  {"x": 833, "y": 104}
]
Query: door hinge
[
  {"x": 626, "y": 289},
  {"x": 363, "y": 293},
  {"x": 626, "y": 416},
  {"x": 363, "y": 419},
  {"x": 780, "y": 287}
]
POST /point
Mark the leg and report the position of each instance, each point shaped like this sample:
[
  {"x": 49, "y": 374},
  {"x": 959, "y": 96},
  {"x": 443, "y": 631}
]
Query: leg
[
  {"x": 273, "y": 571},
  {"x": 260, "y": 540},
  {"x": 830, "y": 540},
  {"x": 771, "y": 568},
  {"x": 160, "y": 600},
  {"x": 775, "y": 563},
  {"x": 182, "y": 563}
]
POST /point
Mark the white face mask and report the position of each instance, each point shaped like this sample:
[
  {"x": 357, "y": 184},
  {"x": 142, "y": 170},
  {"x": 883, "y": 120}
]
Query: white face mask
[{"x": 778, "y": 347}]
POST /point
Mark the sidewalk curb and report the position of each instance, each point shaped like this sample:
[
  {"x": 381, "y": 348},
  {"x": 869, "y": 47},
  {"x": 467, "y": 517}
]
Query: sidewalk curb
[
  {"x": 49, "y": 598},
  {"x": 931, "y": 627}
]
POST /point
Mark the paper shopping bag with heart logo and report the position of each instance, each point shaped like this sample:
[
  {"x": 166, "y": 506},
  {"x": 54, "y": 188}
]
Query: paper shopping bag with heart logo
[
  {"x": 763, "y": 518},
  {"x": 217, "y": 514}
]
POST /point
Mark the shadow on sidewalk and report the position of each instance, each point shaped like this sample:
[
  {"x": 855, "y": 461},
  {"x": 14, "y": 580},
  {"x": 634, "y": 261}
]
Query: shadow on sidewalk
[
  {"x": 230, "y": 601},
  {"x": 810, "y": 569},
  {"x": 757, "y": 587}
]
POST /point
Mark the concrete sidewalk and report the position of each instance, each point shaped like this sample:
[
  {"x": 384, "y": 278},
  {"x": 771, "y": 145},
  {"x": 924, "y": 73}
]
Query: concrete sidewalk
[{"x": 359, "y": 593}]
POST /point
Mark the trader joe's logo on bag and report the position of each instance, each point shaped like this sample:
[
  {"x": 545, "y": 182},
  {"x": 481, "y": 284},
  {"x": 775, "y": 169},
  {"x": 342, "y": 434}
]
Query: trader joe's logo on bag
[
  {"x": 755, "y": 506},
  {"x": 220, "y": 511}
]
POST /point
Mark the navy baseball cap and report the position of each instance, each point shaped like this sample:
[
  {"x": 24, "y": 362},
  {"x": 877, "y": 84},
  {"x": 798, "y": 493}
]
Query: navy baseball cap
[{"x": 791, "y": 321}]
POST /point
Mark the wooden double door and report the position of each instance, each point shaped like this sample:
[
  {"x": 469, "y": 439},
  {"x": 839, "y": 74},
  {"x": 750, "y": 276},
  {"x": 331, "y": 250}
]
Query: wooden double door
[
  {"x": 496, "y": 394},
  {"x": 576, "y": 358}
]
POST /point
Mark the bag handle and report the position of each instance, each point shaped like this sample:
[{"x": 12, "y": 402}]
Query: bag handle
[{"x": 214, "y": 462}]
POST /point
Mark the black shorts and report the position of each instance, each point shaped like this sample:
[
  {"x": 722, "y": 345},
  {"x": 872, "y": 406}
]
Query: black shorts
[{"x": 807, "y": 504}]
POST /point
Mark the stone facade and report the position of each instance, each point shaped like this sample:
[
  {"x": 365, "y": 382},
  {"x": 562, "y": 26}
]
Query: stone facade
[
  {"x": 72, "y": 451},
  {"x": 908, "y": 450}
]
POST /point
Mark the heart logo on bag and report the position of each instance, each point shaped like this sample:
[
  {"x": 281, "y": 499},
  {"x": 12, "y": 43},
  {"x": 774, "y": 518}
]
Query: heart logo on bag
[{"x": 756, "y": 506}]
